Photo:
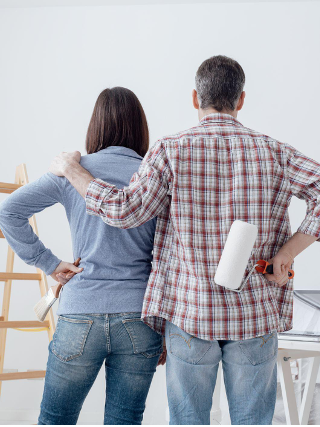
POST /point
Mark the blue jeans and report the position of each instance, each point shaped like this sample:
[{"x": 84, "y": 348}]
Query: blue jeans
[
  {"x": 81, "y": 343},
  {"x": 249, "y": 370}
]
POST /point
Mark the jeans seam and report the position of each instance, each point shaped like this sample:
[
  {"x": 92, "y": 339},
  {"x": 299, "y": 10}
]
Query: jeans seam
[
  {"x": 265, "y": 340},
  {"x": 138, "y": 319},
  {"x": 149, "y": 356},
  {"x": 204, "y": 354},
  {"x": 134, "y": 344},
  {"x": 70, "y": 320},
  {"x": 107, "y": 332},
  {"x": 131, "y": 337},
  {"x": 179, "y": 335}
]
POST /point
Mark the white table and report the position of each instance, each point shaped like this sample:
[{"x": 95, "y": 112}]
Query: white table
[{"x": 291, "y": 350}]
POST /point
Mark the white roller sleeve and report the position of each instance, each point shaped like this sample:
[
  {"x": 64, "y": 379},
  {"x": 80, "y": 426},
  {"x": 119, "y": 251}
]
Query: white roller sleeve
[{"x": 235, "y": 255}]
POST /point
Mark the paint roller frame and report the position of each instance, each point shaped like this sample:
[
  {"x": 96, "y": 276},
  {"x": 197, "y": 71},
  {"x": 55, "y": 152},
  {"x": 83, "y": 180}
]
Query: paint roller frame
[{"x": 261, "y": 266}]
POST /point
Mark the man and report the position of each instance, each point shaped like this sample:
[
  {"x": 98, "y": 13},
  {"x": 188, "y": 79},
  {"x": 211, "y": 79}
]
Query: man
[{"x": 197, "y": 183}]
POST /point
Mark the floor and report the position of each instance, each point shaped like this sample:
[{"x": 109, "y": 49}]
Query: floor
[
  {"x": 14, "y": 423},
  {"x": 23, "y": 423}
]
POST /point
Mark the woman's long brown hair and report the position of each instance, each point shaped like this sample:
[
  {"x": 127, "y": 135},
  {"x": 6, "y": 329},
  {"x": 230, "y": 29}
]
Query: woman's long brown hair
[{"x": 118, "y": 119}]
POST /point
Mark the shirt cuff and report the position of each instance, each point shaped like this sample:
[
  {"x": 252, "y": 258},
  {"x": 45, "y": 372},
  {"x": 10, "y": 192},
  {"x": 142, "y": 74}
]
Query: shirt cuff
[
  {"x": 97, "y": 192},
  {"x": 47, "y": 262},
  {"x": 310, "y": 225}
]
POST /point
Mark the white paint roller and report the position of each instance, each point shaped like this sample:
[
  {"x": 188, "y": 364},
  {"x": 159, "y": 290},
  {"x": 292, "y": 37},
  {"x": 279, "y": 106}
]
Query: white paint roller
[{"x": 235, "y": 255}]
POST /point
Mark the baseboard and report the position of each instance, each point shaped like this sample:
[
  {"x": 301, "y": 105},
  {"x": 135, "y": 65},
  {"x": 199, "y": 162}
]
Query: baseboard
[{"x": 86, "y": 418}]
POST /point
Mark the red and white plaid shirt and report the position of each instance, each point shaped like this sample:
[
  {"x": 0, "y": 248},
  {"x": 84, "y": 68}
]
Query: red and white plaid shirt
[{"x": 197, "y": 183}]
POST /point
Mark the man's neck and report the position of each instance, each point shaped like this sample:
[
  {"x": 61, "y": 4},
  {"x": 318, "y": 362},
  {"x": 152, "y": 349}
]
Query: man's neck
[{"x": 203, "y": 113}]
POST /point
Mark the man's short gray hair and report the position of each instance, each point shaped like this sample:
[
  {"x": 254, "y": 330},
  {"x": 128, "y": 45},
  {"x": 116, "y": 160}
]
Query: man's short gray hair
[{"x": 219, "y": 83}]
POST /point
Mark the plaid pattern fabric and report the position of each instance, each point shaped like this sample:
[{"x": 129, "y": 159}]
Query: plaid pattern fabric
[{"x": 197, "y": 183}]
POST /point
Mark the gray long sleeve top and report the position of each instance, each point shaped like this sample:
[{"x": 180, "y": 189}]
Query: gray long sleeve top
[{"x": 116, "y": 262}]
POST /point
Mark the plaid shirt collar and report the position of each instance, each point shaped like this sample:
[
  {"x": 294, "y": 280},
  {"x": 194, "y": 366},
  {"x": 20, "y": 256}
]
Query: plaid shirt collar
[{"x": 219, "y": 118}]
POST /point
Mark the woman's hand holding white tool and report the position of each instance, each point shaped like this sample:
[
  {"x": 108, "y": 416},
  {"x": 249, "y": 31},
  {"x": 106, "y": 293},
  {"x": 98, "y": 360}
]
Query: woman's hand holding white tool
[{"x": 64, "y": 272}]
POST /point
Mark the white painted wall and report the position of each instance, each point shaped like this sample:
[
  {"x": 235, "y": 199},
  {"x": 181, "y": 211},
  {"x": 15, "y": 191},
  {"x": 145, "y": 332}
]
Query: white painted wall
[
  {"x": 54, "y": 63},
  {"x": 80, "y": 3}
]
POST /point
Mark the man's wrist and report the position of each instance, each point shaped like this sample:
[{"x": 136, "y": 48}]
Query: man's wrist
[
  {"x": 289, "y": 253},
  {"x": 69, "y": 168},
  {"x": 297, "y": 243},
  {"x": 78, "y": 177}
]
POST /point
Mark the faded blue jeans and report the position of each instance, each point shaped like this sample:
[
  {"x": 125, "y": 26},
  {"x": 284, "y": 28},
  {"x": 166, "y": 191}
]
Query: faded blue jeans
[
  {"x": 249, "y": 370},
  {"x": 80, "y": 345}
]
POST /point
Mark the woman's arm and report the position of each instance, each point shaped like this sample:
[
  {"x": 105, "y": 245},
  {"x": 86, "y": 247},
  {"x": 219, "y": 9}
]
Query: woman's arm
[{"x": 15, "y": 212}]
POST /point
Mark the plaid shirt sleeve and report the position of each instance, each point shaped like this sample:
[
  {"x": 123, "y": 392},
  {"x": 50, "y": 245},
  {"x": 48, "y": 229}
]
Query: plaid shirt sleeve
[
  {"x": 304, "y": 177},
  {"x": 145, "y": 197}
]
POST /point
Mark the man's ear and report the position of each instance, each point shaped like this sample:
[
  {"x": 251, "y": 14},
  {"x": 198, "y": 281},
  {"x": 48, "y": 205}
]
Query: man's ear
[
  {"x": 195, "y": 99},
  {"x": 241, "y": 101}
]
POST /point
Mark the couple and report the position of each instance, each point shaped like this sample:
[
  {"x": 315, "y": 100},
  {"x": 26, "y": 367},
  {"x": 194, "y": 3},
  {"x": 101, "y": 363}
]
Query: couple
[{"x": 155, "y": 278}]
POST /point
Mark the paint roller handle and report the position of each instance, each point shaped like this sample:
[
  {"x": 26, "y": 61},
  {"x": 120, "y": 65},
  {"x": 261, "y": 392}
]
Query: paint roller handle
[
  {"x": 264, "y": 267},
  {"x": 269, "y": 270}
]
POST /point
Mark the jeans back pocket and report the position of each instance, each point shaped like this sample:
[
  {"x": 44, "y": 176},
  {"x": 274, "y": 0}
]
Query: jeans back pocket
[
  {"x": 260, "y": 349},
  {"x": 144, "y": 340},
  {"x": 70, "y": 337}
]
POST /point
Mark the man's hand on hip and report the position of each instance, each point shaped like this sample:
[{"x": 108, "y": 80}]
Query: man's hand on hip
[
  {"x": 61, "y": 163},
  {"x": 281, "y": 265},
  {"x": 284, "y": 258}
]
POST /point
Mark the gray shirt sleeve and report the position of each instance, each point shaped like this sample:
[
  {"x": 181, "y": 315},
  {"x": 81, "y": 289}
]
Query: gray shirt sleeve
[{"x": 15, "y": 212}]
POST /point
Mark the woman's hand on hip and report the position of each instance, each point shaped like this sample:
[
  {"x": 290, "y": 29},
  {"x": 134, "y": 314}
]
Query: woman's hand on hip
[{"x": 64, "y": 272}]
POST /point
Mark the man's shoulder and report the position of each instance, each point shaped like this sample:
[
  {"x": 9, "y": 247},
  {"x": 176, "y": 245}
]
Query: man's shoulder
[
  {"x": 268, "y": 140},
  {"x": 176, "y": 137},
  {"x": 215, "y": 131},
  {"x": 254, "y": 134}
]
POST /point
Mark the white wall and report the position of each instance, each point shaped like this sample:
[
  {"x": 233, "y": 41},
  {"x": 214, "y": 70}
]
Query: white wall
[
  {"x": 54, "y": 63},
  {"x": 65, "y": 3}
]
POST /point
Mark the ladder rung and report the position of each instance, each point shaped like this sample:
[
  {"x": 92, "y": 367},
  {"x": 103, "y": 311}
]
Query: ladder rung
[
  {"x": 23, "y": 324},
  {"x": 8, "y": 188},
  {"x": 22, "y": 375},
  {"x": 19, "y": 276}
]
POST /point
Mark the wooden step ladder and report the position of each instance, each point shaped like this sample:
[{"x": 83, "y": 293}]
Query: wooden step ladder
[{"x": 7, "y": 277}]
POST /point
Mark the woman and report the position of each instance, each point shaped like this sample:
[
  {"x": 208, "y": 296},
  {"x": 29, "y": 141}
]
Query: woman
[{"x": 100, "y": 307}]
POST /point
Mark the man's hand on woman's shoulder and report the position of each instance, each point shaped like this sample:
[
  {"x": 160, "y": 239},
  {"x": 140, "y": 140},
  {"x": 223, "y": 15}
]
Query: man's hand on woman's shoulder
[
  {"x": 68, "y": 165},
  {"x": 63, "y": 161}
]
